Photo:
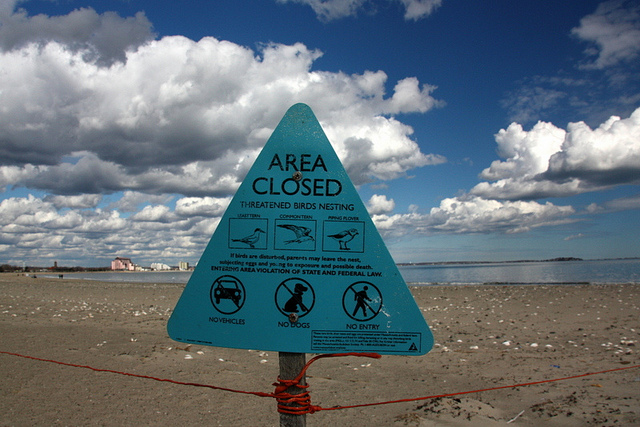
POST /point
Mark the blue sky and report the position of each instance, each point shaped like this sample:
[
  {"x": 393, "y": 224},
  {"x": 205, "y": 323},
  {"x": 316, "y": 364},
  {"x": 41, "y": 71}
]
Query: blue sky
[{"x": 473, "y": 130}]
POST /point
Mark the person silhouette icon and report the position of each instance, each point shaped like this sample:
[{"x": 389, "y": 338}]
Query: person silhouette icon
[{"x": 361, "y": 297}]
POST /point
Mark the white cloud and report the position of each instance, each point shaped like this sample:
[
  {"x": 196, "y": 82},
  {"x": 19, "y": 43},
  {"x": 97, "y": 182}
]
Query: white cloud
[
  {"x": 156, "y": 213},
  {"x": 615, "y": 29},
  {"x": 527, "y": 188},
  {"x": 529, "y": 102},
  {"x": 83, "y": 201},
  {"x": 418, "y": 9},
  {"x": 625, "y": 203},
  {"x": 545, "y": 161},
  {"x": 472, "y": 214},
  {"x": 7, "y": 7},
  {"x": 379, "y": 204},
  {"x": 12, "y": 209},
  {"x": 409, "y": 98},
  {"x": 202, "y": 206},
  {"x": 477, "y": 215},
  {"x": 10, "y": 175},
  {"x": 607, "y": 155},
  {"x": 526, "y": 152},
  {"x": 130, "y": 201},
  {"x": 24, "y": 218},
  {"x": 38, "y": 228},
  {"x": 573, "y": 237},
  {"x": 550, "y": 162},
  {"x": 102, "y": 37},
  {"x": 88, "y": 175},
  {"x": 100, "y": 221},
  {"x": 328, "y": 10},
  {"x": 187, "y": 117},
  {"x": 615, "y": 205}
]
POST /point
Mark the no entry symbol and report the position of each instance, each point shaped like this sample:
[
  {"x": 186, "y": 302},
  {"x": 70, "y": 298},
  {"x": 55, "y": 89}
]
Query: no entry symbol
[{"x": 362, "y": 301}]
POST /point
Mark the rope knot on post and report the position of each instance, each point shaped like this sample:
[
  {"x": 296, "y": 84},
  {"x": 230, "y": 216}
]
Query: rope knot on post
[
  {"x": 300, "y": 403},
  {"x": 294, "y": 404}
]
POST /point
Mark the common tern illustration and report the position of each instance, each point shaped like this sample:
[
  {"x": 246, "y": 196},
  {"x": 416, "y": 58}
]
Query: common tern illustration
[{"x": 303, "y": 234}]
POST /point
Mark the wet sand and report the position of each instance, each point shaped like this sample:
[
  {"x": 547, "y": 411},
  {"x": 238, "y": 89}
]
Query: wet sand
[{"x": 486, "y": 336}]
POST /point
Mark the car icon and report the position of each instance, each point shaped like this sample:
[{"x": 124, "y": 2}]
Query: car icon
[{"x": 225, "y": 291}]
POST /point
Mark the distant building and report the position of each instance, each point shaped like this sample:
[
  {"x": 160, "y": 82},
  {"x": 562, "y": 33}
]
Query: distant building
[
  {"x": 123, "y": 264},
  {"x": 160, "y": 266},
  {"x": 183, "y": 265}
]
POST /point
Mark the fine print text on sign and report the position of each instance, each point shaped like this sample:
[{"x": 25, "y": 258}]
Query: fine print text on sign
[{"x": 296, "y": 264}]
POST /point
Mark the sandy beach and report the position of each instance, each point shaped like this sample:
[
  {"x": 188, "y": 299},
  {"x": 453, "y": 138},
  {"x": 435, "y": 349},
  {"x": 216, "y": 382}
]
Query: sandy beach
[{"x": 486, "y": 336}]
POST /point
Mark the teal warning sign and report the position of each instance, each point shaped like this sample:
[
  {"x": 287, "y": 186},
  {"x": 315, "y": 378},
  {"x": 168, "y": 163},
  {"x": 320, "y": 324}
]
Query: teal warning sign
[{"x": 296, "y": 264}]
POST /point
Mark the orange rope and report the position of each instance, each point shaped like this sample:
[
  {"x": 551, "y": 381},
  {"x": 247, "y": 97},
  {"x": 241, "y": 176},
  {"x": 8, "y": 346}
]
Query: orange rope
[
  {"x": 481, "y": 390},
  {"x": 299, "y": 404},
  {"x": 147, "y": 377}
]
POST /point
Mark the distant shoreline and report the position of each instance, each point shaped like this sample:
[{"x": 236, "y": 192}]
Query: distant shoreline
[
  {"x": 80, "y": 269},
  {"x": 559, "y": 259}
]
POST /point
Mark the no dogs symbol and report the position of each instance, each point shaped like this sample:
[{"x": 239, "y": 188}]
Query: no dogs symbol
[{"x": 295, "y": 296}]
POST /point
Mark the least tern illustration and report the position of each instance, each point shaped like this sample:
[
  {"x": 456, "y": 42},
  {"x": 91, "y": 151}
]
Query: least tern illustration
[
  {"x": 303, "y": 234},
  {"x": 252, "y": 239},
  {"x": 344, "y": 237}
]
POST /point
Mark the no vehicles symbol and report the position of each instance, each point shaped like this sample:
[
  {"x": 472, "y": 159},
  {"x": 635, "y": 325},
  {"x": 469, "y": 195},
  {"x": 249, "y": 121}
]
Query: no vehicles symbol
[{"x": 227, "y": 294}]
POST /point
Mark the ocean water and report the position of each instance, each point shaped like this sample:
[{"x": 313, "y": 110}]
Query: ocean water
[
  {"x": 518, "y": 273},
  {"x": 522, "y": 273}
]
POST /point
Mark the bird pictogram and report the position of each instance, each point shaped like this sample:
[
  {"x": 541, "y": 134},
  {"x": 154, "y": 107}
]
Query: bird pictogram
[
  {"x": 303, "y": 234},
  {"x": 344, "y": 237},
  {"x": 252, "y": 239}
]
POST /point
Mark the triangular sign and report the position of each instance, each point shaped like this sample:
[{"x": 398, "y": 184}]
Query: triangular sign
[{"x": 296, "y": 264}]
